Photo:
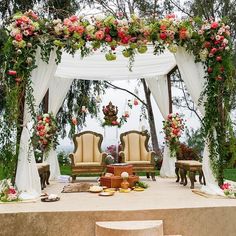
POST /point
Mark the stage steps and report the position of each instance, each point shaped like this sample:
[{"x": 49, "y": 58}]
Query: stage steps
[{"x": 129, "y": 228}]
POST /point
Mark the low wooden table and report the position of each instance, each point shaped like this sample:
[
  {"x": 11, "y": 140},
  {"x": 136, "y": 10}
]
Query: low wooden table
[{"x": 192, "y": 167}]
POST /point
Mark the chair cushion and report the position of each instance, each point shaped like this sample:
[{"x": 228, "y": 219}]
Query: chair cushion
[
  {"x": 88, "y": 164},
  {"x": 138, "y": 162}
]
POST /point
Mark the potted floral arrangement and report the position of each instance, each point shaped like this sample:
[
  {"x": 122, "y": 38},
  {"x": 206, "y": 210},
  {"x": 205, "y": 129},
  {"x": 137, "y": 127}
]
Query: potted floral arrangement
[
  {"x": 173, "y": 128},
  {"x": 45, "y": 133},
  {"x": 229, "y": 190},
  {"x": 8, "y": 192}
]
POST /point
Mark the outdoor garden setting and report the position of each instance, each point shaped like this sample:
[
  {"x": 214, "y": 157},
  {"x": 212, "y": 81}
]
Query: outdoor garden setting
[{"x": 109, "y": 107}]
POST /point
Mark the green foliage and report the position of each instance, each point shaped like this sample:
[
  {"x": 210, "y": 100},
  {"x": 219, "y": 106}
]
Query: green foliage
[{"x": 63, "y": 158}]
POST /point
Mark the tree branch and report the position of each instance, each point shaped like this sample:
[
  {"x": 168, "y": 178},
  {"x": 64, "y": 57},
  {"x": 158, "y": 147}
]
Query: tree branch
[{"x": 116, "y": 87}]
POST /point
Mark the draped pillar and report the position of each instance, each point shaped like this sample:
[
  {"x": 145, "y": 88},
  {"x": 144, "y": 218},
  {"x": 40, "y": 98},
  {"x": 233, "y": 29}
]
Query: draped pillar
[
  {"x": 159, "y": 89},
  {"x": 193, "y": 75},
  {"x": 27, "y": 177},
  {"x": 58, "y": 89}
]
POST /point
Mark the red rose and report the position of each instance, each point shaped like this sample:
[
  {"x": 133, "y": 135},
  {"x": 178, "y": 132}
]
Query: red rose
[
  {"x": 107, "y": 30},
  {"x": 11, "y": 72},
  {"x": 108, "y": 38},
  {"x": 41, "y": 133},
  {"x": 125, "y": 40},
  {"x": 183, "y": 34},
  {"x": 213, "y": 50},
  {"x": 219, "y": 58},
  {"x": 222, "y": 69},
  {"x": 18, "y": 37},
  {"x": 163, "y": 35},
  {"x": 214, "y": 25},
  {"x": 209, "y": 69},
  {"x": 12, "y": 190},
  {"x": 47, "y": 119},
  {"x": 121, "y": 34},
  {"x": 207, "y": 44}
]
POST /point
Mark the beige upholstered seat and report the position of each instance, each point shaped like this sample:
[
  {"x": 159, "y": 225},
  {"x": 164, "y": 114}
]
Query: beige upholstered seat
[
  {"x": 135, "y": 151},
  {"x": 87, "y": 156}
]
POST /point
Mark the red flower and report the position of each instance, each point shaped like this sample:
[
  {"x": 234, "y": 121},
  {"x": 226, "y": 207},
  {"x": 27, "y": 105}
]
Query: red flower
[
  {"x": 163, "y": 35},
  {"x": 114, "y": 122},
  {"x": 121, "y": 34},
  {"x": 163, "y": 27},
  {"x": 39, "y": 118},
  {"x": 207, "y": 44},
  {"x": 125, "y": 40},
  {"x": 107, "y": 30},
  {"x": 108, "y": 38},
  {"x": 74, "y": 121},
  {"x": 79, "y": 29},
  {"x": 73, "y": 18},
  {"x": 12, "y": 190},
  {"x": 209, "y": 69},
  {"x": 41, "y": 133},
  {"x": 222, "y": 69},
  {"x": 213, "y": 50},
  {"x": 214, "y": 25},
  {"x": 11, "y": 72},
  {"x": 135, "y": 102},
  {"x": 219, "y": 78},
  {"x": 99, "y": 35},
  {"x": 219, "y": 58},
  {"x": 47, "y": 120},
  {"x": 18, "y": 37}
]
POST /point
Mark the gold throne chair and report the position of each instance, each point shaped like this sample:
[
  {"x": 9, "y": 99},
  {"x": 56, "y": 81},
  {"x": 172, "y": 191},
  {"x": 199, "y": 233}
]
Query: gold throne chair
[
  {"x": 135, "y": 152},
  {"x": 87, "y": 156}
]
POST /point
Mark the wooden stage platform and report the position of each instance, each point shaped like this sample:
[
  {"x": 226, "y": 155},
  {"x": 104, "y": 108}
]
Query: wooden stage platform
[{"x": 182, "y": 211}]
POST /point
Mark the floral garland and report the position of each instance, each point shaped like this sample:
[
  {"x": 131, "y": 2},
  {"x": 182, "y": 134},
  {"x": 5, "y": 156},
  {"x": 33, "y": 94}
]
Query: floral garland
[
  {"x": 208, "y": 41},
  {"x": 45, "y": 133},
  {"x": 7, "y": 191},
  {"x": 173, "y": 128},
  {"x": 123, "y": 120}
]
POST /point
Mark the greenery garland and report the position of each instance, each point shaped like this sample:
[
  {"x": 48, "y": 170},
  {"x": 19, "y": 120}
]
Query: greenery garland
[{"x": 209, "y": 42}]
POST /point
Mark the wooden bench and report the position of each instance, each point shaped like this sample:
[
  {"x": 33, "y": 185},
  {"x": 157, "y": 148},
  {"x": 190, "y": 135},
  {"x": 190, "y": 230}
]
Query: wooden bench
[
  {"x": 183, "y": 166},
  {"x": 44, "y": 174}
]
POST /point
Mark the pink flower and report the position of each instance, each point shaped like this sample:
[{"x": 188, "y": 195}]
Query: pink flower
[
  {"x": 73, "y": 18},
  {"x": 214, "y": 25},
  {"x": 108, "y": 38},
  {"x": 18, "y": 37},
  {"x": 79, "y": 29},
  {"x": 218, "y": 58},
  {"x": 12, "y": 190},
  {"x": 99, "y": 35},
  {"x": 74, "y": 121},
  {"x": 67, "y": 22},
  {"x": 213, "y": 50},
  {"x": 11, "y": 72}
]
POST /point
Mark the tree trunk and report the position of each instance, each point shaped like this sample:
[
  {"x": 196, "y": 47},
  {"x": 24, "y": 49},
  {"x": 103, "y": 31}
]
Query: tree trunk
[{"x": 151, "y": 120}]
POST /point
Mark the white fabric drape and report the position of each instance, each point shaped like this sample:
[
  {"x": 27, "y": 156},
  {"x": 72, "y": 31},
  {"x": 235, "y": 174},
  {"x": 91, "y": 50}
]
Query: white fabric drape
[
  {"x": 193, "y": 75},
  {"x": 27, "y": 177},
  {"x": 159, "y": 90},
  {"x": 58, "y": 89}
]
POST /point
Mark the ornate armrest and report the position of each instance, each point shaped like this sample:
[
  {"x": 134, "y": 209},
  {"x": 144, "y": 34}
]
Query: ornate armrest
[
  {"x": 122, "y": 154},
  {"x": 152, "y": 157},
  {"x": 71, "y": 156}
]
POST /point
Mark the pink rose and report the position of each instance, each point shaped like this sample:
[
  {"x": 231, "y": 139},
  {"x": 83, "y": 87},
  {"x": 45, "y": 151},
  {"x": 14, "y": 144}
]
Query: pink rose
[
  {"x": 18, "y": 37},
  {"x": 80, "y": 29},
  {"x": 67, "y": 22},
  {"x": 213, "y": 50},
  {"x": 99, "y": 35},
  {"x": 108, "y": 38},
  {"x": 214, "y": 25},
  {"x": 11, "y": 72},
  {"x": 73, "y": 18}
]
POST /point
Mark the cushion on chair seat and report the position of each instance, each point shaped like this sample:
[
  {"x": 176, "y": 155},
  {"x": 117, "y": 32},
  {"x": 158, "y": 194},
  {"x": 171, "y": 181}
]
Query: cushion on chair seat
[
  {"x": 88, "y": 164},
  {"x": 138, "y": 162}
]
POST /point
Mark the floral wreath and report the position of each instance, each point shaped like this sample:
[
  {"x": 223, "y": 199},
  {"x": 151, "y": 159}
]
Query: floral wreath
[
  {"x": 173, "y": 128},
  {"x": 45, "y": 133}
]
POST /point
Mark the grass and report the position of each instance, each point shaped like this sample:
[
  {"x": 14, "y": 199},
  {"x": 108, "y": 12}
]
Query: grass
[{"x": 230, "y": 174}]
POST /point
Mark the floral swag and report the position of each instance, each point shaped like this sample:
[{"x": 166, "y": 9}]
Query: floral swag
[
  {"x": 173, "y": 128},
  {"x": 208, "y": 41}
]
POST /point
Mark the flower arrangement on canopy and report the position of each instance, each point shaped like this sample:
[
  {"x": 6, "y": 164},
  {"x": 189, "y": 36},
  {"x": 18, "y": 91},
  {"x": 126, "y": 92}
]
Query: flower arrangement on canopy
[
  {"x": 173, "y": 128},
  {"x": 45, "y": 133},
  {"x": 208, "y": 41}
]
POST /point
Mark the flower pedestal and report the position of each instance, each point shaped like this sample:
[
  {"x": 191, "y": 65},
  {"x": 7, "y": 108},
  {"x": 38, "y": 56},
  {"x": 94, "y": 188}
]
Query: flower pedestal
[{"x": 110, "y": 141}]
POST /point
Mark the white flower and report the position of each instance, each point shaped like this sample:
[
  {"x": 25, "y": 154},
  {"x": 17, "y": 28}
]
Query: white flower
[
  {"x": 203, "y": 54},
  {"x": 217, "y": 37},
  {"x": 90, "y": 29},
  {"x": 225, "y": 41},
  {"x": 56, "y": 21},
  {"x": 99, "y": 17},
  {"x": 173, "y": 48},
  {"x": 124, "y": 175},
  {"x": 227, "y": 48}
]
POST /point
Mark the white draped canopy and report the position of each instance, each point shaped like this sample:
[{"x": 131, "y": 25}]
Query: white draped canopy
[{"x": 154, "y": 68}]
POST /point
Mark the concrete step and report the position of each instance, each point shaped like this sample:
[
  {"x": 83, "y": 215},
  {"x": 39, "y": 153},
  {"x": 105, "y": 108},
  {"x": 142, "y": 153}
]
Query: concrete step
[
  {"x": 130, "y": 228},
  {"x": 173, "y": 235}
]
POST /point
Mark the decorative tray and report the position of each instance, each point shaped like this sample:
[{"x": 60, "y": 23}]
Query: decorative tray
[
  {"x": 106, "y": 194},
  {"x": 121, "y": 190},
  {"x": 46, "y": 199}
]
